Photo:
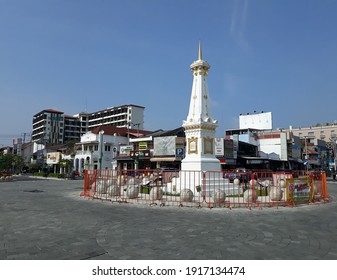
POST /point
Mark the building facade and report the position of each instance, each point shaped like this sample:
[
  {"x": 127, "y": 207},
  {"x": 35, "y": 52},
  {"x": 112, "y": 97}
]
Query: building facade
[
  {"x": 54, "y": 127},
  {"x": 130, "y": 116},
  {"x": 326, "y": 132},
  {"x": 72, "y": 129},
  {"x": 100, "y": 148},
  {"x": 321, "y": 139},
  {"x": 48, "y": 127}
]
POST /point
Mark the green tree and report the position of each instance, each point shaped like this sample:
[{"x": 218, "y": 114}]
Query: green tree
[{"x": 11, "y": 162}]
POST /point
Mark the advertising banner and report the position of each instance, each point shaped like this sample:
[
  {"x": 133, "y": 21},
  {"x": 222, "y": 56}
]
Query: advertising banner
[
  {"x": 229, "y": 149},
  {"x": 164, "y": 146},
  {"x": 219, "y": 146},
  {"x": 142, "y": 146},
  {"x": 299, "y": 190},
  {"x": 53, "y": 158},
  {"x": 125, "y": 150}
]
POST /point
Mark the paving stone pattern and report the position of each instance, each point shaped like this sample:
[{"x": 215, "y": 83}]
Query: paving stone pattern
[{"x": 48, "y": 220}]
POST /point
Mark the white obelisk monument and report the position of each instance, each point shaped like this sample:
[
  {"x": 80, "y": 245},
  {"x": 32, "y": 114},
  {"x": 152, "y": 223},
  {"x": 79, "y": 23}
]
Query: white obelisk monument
[
  {"x": 200, "y": 126},
  {"x": 200, "y": 169}
]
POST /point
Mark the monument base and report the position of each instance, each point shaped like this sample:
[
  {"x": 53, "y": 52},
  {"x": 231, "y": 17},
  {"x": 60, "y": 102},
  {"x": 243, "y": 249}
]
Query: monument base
[
  {"x": 205, "y": 164},
  {"x": 202, "y": 183}
]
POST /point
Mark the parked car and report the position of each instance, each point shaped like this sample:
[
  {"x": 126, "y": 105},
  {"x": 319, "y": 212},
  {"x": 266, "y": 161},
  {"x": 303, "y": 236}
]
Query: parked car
[{"x": 240, "y": 173}]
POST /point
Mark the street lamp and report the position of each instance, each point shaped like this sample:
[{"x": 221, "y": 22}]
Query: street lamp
[
  {"x": 100, "y": 148},
  {"x": 334, "y": 142},
  {"x": 137, "y": 124},
  {"x": 306, "y": 153}
]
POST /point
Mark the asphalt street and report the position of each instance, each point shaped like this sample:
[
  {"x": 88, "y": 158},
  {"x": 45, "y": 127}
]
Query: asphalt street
[{"x": 42, "y": 219}]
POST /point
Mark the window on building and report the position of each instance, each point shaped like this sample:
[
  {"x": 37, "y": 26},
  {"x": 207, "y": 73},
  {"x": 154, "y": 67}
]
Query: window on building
[
  {"x": 322, "y": 134},
  {"x": 96, "y": 147},
  {"x": 107, "y": 148}
]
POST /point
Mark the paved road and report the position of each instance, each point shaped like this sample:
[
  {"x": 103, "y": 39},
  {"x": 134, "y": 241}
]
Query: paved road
[{"x": 46, "y": 219}]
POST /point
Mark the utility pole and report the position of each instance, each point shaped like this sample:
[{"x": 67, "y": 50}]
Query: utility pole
[
  {"x": 137, "y": 124},
  {"x": 100, "y": 148},
  {"x": 306, "y": 153},
  {"x": 334, "y": 142},
  {"x": 129, "y": 124}
]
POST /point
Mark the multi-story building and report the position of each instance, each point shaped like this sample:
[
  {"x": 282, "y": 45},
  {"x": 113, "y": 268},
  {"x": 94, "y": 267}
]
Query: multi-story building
[
  {"x": 54, "y": 127},
  {"x": 131, "y": 116},
  {"x": 321, "y": 136},
  {"x": 48, "y": 127},
  {"x": 327, "y": 132},
  {"x": 17, "y": 146},
  {"x": 72, "y": 128}
]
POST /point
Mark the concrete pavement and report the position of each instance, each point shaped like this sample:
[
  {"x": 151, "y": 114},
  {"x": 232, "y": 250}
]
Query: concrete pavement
[{"x": 48, "y": 220}]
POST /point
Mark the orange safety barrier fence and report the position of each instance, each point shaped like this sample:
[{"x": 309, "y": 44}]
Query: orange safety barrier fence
[{"x": 207, "y": 189}]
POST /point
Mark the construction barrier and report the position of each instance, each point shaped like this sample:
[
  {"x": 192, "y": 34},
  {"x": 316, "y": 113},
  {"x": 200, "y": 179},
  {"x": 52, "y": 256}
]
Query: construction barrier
[{"x": 207, "y": 189}]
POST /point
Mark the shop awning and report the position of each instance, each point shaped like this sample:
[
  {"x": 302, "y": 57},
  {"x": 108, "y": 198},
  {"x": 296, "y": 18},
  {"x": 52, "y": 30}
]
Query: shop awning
[
  {"x": 124, "y": 159},
  {"x": 156, "y": 159}
]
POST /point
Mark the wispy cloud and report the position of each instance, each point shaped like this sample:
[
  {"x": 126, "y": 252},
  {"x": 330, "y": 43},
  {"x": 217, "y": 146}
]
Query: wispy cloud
[
  {"x": 231, "y": 85},
  {"x": 239, "y": 22}
]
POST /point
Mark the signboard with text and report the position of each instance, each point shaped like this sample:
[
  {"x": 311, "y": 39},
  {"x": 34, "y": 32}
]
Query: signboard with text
[
  {"x": 219, "y": 146},
  {"x": 53, "y": 158}
]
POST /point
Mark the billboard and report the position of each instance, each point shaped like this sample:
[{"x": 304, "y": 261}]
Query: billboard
[
  {"x": 125, "y": 150},
  {"x": 229, "y": 149},
  {"x": 219, "y": 146},
  {"x": 256, "y": 121},
  {"x": 53, "y": 158},
  {"x": 164, "y": 146}
]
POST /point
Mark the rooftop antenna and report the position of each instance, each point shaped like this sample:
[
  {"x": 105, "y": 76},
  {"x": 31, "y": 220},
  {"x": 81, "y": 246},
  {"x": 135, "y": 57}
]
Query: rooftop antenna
[{"x": 86, "y": 104}]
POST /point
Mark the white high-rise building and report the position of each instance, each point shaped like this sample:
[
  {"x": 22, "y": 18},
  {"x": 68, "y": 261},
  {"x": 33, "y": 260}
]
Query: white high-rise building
[
  {"x": 54, "y": 127},
  {"x": 130, "y": 116}
]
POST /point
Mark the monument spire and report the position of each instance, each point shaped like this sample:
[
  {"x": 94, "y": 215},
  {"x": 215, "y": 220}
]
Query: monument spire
[
  {"x": 200, "y": 52},
  {"x": 200, "y": 169},
  {"x": 199, "y": 111},
  {"x": 199, "y": 125}
]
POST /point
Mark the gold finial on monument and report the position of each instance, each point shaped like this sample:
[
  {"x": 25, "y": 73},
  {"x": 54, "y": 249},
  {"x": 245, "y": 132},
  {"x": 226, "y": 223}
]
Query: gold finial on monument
[{"x": 200, "y": 52}]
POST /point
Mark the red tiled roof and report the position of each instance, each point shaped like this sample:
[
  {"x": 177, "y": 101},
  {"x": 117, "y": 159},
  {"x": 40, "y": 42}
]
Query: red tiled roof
[
  {"x": 312, "y": 152},
  {"x": 70, "y": 117},
  {"x": 49, "y": 111},
  {"x": 120, "y": 131},
  {"x": 53, "y": 111}
]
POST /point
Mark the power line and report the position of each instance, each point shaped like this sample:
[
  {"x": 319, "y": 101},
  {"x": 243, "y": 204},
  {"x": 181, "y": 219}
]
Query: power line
[{"x": 16, "y": 135}]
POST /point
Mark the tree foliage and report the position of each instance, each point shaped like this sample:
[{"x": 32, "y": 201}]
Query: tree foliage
[{"x": 11, "y": 162}]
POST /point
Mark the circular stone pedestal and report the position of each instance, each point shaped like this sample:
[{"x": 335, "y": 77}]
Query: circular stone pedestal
[
  {"x": 156, "y": 193},
  {"x": 186, "y": 195},
  {"x": 275, "y": 193},
  {"x": 252, "y": 183},
  {"x": 114, "y": 190},
  {"x": 281, "y": 183},
  {"x": 132, "y": 192},
  {"x": 250, "y": 195},
  {"x": 101, "y": 187},
  {"x": 219, "y": 196},
  {"x": 236, "y": 182}
]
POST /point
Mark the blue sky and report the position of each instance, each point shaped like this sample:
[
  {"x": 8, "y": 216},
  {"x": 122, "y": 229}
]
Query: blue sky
[{"x": 77, "y": 55}]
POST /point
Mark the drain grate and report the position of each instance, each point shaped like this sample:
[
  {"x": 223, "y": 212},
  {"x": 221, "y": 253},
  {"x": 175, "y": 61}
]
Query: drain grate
[{"x": 33, "y": 191}]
